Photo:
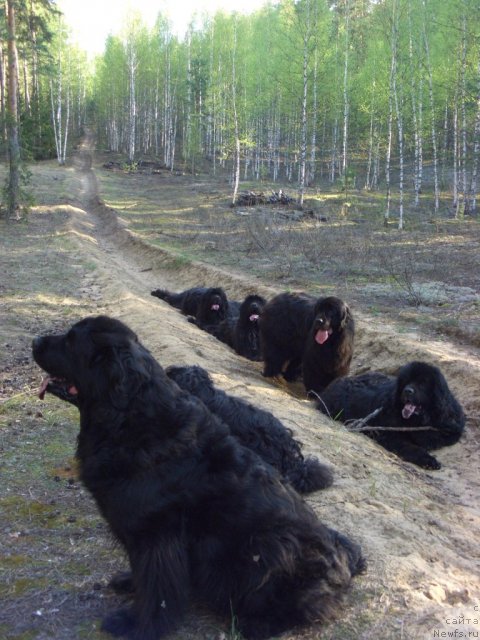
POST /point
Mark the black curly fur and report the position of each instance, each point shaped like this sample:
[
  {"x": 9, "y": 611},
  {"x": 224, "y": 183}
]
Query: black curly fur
[
  {"x": 241, "y": 330},
  {"x": 418, "y": 396},
  {"x": 303, "y": 335},
  {"x": 200, "y": 516},
  {"x": 257, "y": 429},
  {"x": 206, "y": 305}
]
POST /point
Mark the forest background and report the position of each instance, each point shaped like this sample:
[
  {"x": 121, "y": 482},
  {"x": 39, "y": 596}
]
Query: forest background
[
  {"x": 382, "y": 96},
  {"x": 368, "y": 113}
]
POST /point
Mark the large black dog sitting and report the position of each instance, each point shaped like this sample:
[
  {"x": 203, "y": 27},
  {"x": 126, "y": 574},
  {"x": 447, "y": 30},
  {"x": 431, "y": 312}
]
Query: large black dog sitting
[
  {"x": 207, "y": 305},
  {"x": 241, "y": 330},
  {"x": 256, "y": 429},
  {"x": 417, "y": 397},
  {"x": 198, "y": 514},
  {"x": 310, "y": 336}
]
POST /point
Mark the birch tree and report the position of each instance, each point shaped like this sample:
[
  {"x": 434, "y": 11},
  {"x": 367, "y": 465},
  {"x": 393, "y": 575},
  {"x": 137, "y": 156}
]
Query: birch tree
[
  {"x": 236, "y": 172},
  {"x": 13, "y": 183},
  {"x": 346, "y": 105},
  {"x": 60, "y": 98},
  {"x": 307, "y": 29},
  {"x": 472, "y": 202},
  {"x": 432, "y": 112},
  {"x": 132, "y": 62},
  {"x": 398, "y": 109}
]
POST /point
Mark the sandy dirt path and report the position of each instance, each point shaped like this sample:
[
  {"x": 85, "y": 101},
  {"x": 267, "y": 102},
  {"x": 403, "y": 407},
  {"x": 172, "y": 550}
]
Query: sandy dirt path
[{"x": 419, "y": 530}]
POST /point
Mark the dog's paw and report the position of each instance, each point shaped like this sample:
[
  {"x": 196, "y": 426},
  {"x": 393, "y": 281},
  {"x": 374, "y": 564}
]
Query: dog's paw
[
  {"x": 122, "y": 583},
  {"x": 429, "y": 462},
  {"x": 119, "y": 623}
]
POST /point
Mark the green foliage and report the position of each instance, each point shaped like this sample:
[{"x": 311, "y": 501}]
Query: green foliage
[{"x": 153, "y": 93}]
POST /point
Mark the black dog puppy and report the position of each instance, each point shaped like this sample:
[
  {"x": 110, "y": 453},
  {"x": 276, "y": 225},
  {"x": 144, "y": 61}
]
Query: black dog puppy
[
  {"x": 198, "y": 514},
  {"x": 310, "y": 336},
  {"x": 417, "y": 397},
  {"x": 207, "y": 305},
  {"x": 256, "y": 429},
  {"x": 241, "y": 331}
]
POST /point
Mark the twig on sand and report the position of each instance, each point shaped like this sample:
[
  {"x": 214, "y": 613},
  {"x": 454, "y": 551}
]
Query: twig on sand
[{"x": 361, "y": 424}]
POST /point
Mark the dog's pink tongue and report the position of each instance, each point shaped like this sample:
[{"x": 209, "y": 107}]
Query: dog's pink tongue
[
  {"x": 253, "y": 317},
  {"x": 408, "y": 410},
  {"x": 43, "y": 387},
  {"x": 215, "y": 307},
  {"x": 321, "y": 336}
]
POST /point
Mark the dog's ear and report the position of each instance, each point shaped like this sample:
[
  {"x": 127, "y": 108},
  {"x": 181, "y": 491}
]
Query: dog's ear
[
  {"x": 345, "y": 315},
  {"x": 441, "y": 402},
  {"x": 119, "y": 371}
]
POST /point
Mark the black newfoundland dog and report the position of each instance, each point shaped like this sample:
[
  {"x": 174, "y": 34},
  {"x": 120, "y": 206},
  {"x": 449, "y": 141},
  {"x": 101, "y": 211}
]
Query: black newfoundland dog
[
  {"x": 417, "y": 397},
  {"x": 310, "y": 336},
  {"x": 207, "y": 305},
  {"x": 256, "y": 429},
  {"x": 241, "y": 330},
  {"x": 199, "y": 515}
]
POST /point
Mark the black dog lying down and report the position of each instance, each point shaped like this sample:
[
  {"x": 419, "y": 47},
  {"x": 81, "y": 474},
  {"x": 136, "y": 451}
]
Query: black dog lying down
[
  {"x": 241, "y": 330},
  {"x": 256, "y": 429},
  {"x": 199, "y": 515},
  {"x": 418, "y": 397},
  {"x": 207, "y": 305}
]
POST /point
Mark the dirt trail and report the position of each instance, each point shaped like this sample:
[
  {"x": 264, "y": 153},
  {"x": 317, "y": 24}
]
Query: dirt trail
[{"x": 419, "y": 530}]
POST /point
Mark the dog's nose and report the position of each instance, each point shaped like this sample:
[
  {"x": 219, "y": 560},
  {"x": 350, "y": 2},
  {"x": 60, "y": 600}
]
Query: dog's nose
[{"x": 36, "y": 343}]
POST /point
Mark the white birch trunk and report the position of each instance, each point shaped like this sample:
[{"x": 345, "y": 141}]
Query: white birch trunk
[
  {"x": 303, "y": 144},
  {"x": 386, "y": 215},
  {"x": 346, "y": 106},
  {"x": 398, "y": 112},
  {"x": 313, "y": 151},
  {"x": 54, "y": 123},
  {"x": 476, "y": 155},
  {"x": 67, "y": 124},
  {"x": 132, "y": 104},
  {"x": 464, "y": 115},
  {"x": 416, "y": 132},
  {"x": 432, "y": 117},
  {"x": 455, "y": 158},
  {"x": 236, "y": 179},
  {"x": 368, "y": 184}
]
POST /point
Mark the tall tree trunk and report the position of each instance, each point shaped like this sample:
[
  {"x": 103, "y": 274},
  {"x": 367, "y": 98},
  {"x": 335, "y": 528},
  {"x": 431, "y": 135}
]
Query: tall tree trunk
[
  {"x": 67, "y": 124},
  {"x": 56, "y": 116},
  {"x": 12, "y": 116},
  {"x": 445, "y": 143},
  {"x": 455, "y": 157},
  {"x": 236, "y": 177},
  {"x": 132, "y": 104},
  {"x": 476, "y": 155},
  {"x": 463, "y": 113},
  {"x": 313, "y": 150},
  {"x": 346, "y": 106},
  {"x": 60, "y": 128},
  {"x": 2, "y": 96},
  {"x": 371, "y": 139},
  {"x": 432, "y": 114},
  {"x": 398, "y": 110},
  {"x": 303, "y": 142},
  {"x": 416, "y": 129},
  {"x": 333, "y": 160},
  {"x": 388, "y": 160}
]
